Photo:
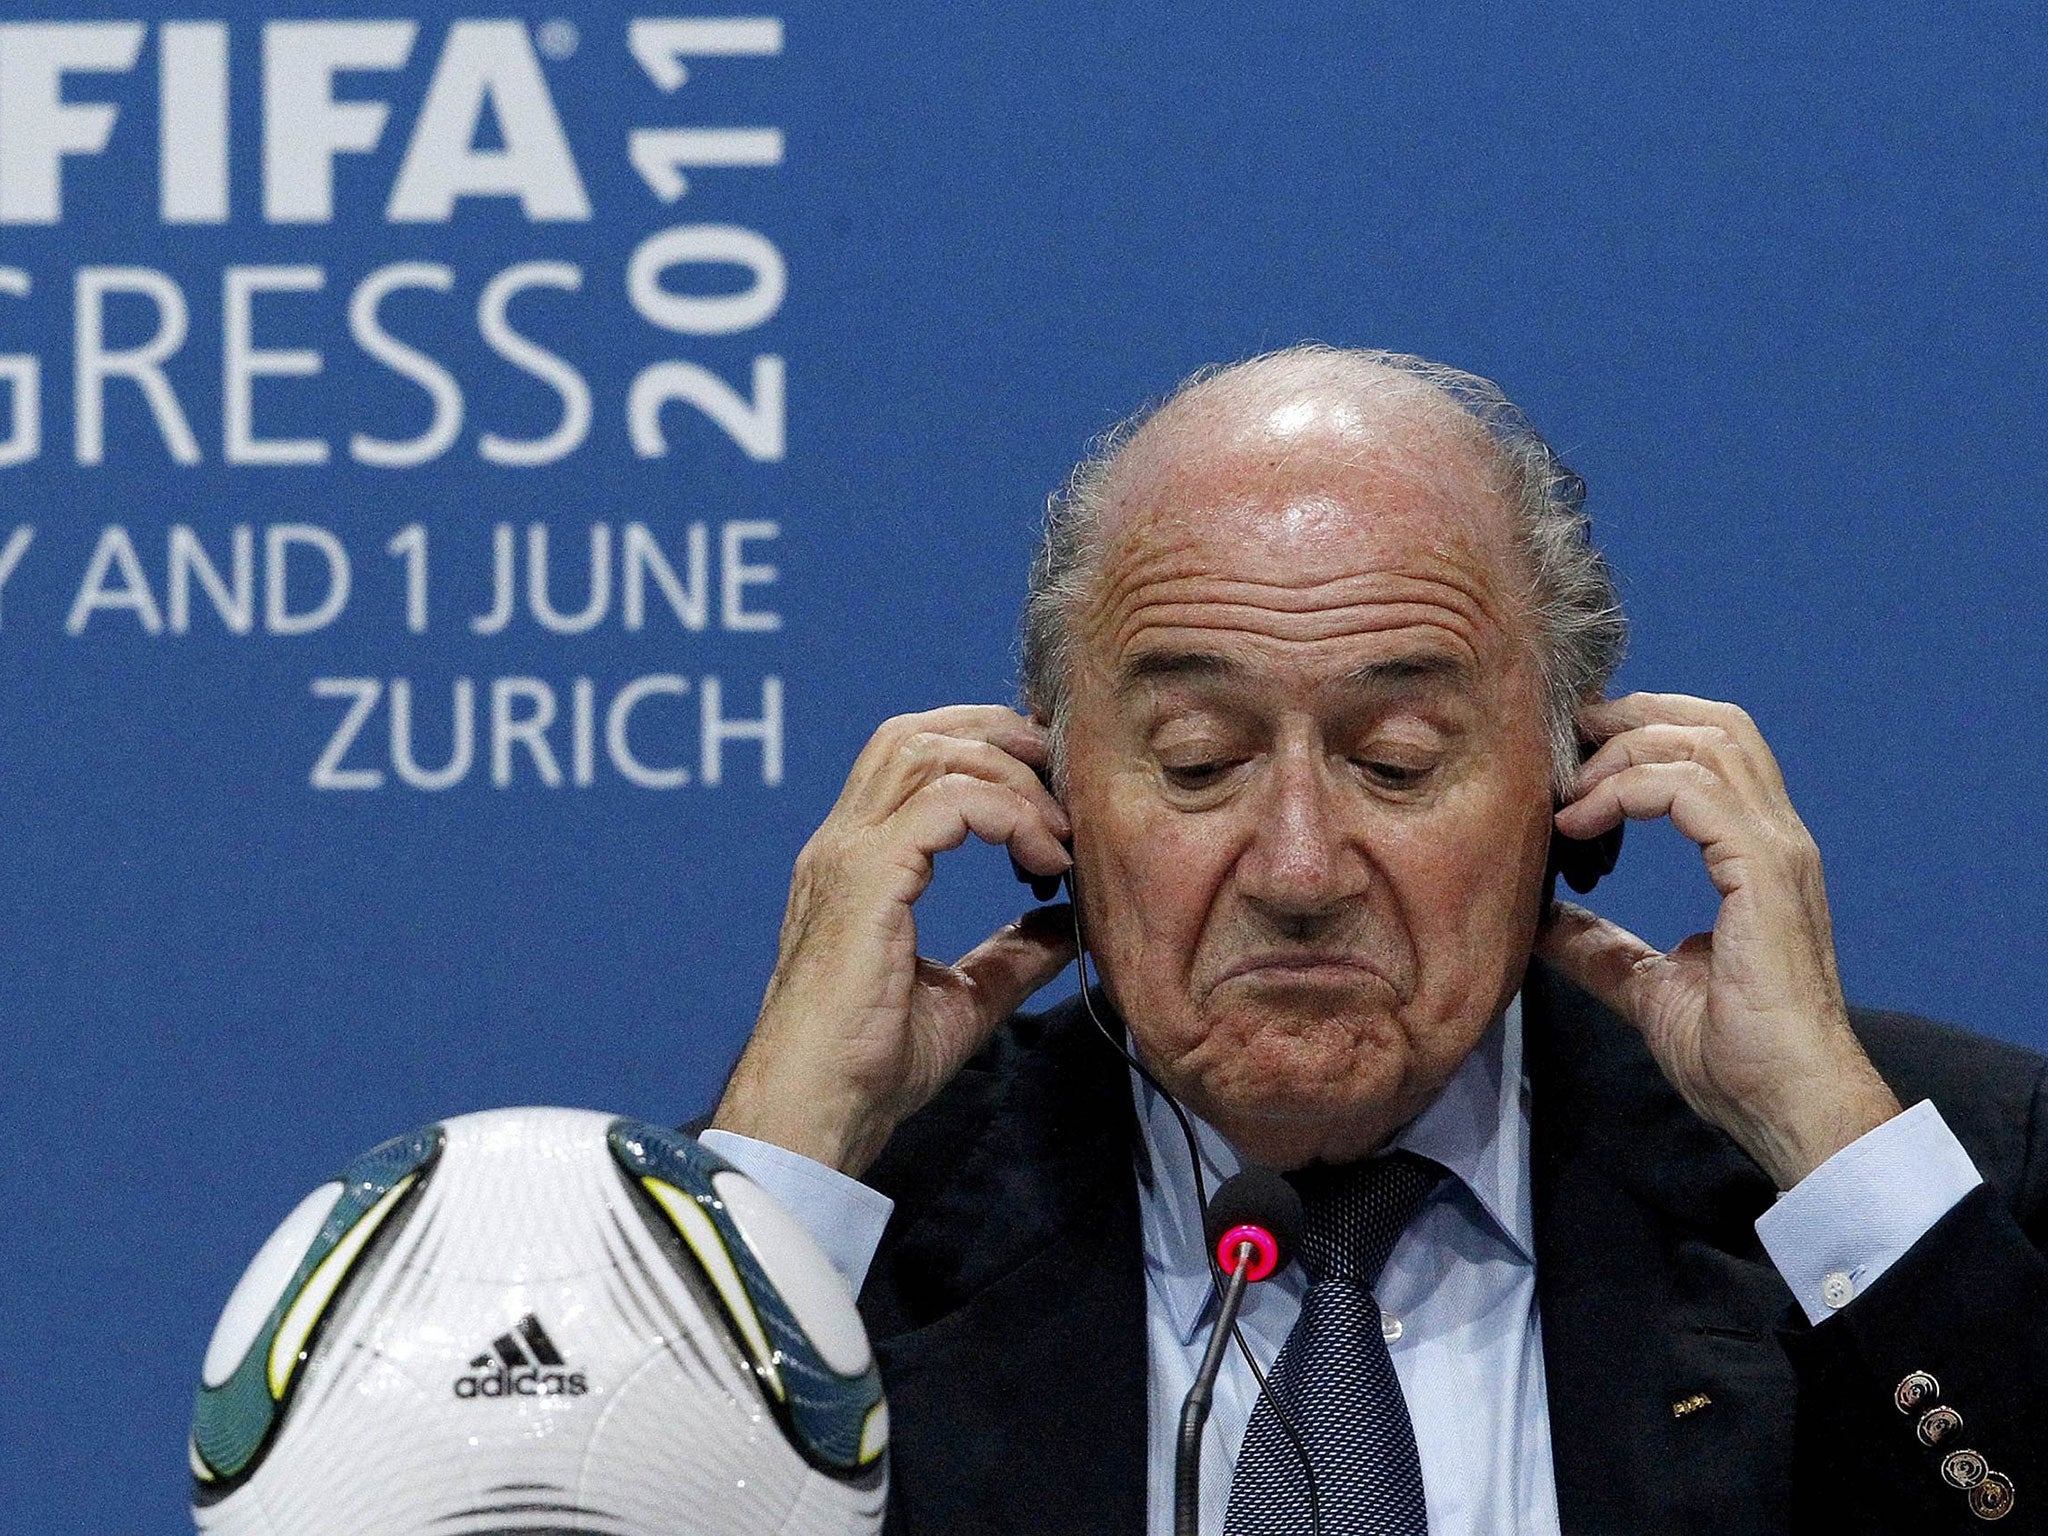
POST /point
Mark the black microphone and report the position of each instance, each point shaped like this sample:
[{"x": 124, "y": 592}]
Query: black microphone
[{"x": 1252, "y": 1225}]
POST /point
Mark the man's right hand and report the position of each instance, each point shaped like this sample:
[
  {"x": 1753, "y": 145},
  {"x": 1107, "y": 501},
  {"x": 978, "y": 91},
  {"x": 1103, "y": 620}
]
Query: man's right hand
[{"x": 857, "y": 1029}]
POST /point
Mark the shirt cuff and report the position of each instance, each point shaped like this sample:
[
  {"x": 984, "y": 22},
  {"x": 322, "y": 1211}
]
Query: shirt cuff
[
  {"x": 1835, "y": 1231},
  {"x": 843, "y": 1216}
]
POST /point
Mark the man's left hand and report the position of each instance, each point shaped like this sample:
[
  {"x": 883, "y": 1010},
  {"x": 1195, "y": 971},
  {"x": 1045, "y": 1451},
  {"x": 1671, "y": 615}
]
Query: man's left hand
[{"x": 1748, "y": 1022}]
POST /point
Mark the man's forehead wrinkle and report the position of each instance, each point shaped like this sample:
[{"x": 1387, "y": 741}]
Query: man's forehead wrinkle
[
  {"x": 1186, "y": 662},
  {"x": 1425, "y": 616},
  {"x": 1448, "y": 587},
  {"x": 1146, "y": 625},
  {"x": 1185, "y": 561}
]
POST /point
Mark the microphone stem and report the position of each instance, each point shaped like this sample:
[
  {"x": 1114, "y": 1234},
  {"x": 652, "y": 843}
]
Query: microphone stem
[{"x": 1194, "y": 1410}]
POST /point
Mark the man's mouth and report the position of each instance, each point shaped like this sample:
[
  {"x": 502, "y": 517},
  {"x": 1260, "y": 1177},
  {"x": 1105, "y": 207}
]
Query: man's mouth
[{"x": 1295, "y": 967}]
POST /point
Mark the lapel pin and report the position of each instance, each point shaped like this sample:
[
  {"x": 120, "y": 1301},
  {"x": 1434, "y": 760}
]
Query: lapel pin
[{"x": 1688, "y": 1405}]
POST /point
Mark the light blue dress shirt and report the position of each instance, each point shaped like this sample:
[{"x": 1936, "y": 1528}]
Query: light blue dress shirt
[{"x": 1459, "y": 1290}]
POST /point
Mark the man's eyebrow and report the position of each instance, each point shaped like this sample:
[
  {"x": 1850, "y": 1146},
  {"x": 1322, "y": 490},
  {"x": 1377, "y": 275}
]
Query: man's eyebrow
[
  {"x": 1399, "y": 672},
  {"x": 1171, "y": 666}
]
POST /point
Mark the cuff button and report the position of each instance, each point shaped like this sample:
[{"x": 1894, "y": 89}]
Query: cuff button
[
  {"x": 1914, "y": 1390},
  {"x": 1964, "y": 1469},
  {"x": 1992, "y": 1498},
  {"x": 1937, "y": 1424}
]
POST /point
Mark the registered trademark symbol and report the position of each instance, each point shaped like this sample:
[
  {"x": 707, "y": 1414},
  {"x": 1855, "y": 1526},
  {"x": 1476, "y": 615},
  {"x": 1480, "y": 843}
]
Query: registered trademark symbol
[{"x": 557, "y": 38}]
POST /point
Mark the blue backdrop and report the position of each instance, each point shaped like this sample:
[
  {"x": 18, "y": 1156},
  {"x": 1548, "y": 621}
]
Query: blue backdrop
[{"x": 1771, "y": 282}]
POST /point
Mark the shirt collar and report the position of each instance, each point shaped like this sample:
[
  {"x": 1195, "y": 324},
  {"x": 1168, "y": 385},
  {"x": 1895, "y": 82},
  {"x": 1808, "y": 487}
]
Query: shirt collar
[{"x": 1478, "y": 1128}]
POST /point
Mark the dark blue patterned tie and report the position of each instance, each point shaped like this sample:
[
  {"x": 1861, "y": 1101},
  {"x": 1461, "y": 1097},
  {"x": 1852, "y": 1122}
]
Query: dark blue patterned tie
[{"x": 1334, "y": 1373}]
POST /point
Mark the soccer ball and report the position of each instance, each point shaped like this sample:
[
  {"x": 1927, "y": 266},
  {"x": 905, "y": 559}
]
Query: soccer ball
[{"x": 539, "y": 1320}]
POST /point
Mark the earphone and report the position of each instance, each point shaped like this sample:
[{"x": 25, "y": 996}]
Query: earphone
[{"x": 1582, "y": 861}]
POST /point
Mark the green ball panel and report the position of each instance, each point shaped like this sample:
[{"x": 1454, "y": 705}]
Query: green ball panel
[{"x": 233, "y": 1422}]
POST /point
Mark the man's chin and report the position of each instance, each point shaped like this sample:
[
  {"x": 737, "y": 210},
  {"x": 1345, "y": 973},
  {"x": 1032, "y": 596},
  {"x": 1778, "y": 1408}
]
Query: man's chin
[{"x": 1287, "y": 1085}]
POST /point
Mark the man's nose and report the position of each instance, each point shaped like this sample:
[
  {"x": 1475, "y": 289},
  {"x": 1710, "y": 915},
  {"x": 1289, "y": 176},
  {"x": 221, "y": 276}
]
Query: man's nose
[{"x": 1301, "y": 860}]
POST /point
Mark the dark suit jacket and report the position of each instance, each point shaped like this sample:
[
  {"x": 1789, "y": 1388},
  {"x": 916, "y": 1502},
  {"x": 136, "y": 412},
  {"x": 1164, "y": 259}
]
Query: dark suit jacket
[{"x": 1007, "y": 1300}]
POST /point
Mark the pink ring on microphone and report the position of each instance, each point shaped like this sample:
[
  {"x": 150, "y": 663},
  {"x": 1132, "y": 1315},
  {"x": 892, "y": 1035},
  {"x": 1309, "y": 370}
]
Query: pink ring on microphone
[{"x": 1265, "y": 1251}]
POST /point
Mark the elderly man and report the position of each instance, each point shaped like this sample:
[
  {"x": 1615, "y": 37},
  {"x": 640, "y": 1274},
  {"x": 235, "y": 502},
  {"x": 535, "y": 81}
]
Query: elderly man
[{"x": 1313, "y": 657}]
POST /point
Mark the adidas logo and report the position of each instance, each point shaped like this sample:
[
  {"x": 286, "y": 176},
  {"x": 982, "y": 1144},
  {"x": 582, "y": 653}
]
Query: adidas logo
[{"x": 521, "y": 1362}]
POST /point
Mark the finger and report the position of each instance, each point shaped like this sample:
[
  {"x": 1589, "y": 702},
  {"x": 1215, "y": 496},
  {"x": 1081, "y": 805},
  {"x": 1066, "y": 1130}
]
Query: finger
[
  {"x": 905, "y": 752},
  {"x": 1019, "y": 735},
  {"x": 928, "y": 755},
  {"x": 1604, "y": 958},
  {"x": 1016, "y": 960},
  {"x": 1699, "y": 802},
  {"x": 948, "y": 810},
  {"x": 1635, "y": 709},
  {"x": 1660, "y": 742},
  {"x": 1610, "y": 717}
]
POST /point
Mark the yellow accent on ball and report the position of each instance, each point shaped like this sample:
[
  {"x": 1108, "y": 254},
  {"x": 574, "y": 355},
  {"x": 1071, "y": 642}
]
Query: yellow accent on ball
[
  {"x": 290, "y": 1343},
  {"x": 702, "y": 1235},
  {"x": 874, "y": 1434}
]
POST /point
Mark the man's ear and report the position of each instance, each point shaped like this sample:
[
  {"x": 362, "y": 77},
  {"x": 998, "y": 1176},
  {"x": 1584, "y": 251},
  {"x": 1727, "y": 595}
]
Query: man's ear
[{"x": 1052, "y": 775}]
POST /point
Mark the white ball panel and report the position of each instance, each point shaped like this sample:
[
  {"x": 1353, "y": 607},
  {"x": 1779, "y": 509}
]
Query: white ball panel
[
  {"x": 812, "y": 1285},
  {"x": 669, "y": 1456},
  {"x": 826, "y": 1508},
  {"x": 250, "y": 1304},
  {"x": 511, "y": 1228}
]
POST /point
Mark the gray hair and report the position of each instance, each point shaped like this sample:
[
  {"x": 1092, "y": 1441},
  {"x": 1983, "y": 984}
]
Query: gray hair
[{"x": 1582, "y": 632}]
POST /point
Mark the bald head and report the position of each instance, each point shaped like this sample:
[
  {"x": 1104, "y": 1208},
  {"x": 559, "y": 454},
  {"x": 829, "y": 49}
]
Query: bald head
[
  {"x": 1306, "y": 430},
  {"x": 1313, "y": 412},
  {"x": 1323, "y": 433}
]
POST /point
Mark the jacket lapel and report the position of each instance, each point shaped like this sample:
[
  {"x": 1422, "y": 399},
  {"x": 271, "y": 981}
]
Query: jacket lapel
[
  {"x": 1013, "y": 1344},
  {"x": 1671, "y": 1403}
]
